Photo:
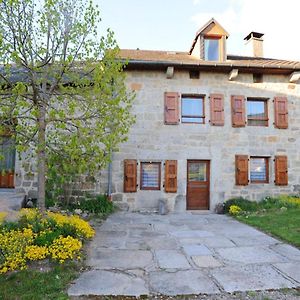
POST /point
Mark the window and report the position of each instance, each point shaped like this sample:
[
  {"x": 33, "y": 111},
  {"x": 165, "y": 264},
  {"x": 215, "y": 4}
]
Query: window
[
  {"x": 192, "y": 109},
  {"x": 259, "y": 169},
  {"x": 211, "y": 49},
  {"x": 257, "y": 112},
  {"x": 150, "y": 176}
]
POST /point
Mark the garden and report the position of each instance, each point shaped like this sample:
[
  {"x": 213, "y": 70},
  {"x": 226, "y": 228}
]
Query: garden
[
  {"x": 41, "y": 252},
  {"x": 277, "y": 216}
]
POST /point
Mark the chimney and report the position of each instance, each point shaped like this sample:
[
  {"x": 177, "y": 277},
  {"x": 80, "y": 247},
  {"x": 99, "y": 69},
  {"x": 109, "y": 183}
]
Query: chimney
[{"x": 254, "y": 44}]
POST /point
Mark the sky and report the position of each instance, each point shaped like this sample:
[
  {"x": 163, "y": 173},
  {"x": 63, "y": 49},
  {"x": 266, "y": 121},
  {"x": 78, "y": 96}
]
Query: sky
[{"x": 171, "y": 24}]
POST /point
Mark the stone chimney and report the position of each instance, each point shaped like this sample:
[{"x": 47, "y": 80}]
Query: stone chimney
[{"x": 254, "y": 44}]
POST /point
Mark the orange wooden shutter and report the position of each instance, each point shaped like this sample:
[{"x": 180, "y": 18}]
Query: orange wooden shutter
[
  {"x": 217, "y": 109},
  {"x": 281, "y": 170},
  {"x": 171, "y": 108},
  {"x": 241, "y": 169},
  {"x": 238, "y": 111},
  {"x": 130, "y": 175},
  {"x": 171, "y": 176},
  {"x": 281, "y": 112}
]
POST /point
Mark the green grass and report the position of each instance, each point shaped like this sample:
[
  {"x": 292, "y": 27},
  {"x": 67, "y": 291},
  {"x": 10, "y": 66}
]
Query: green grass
[
  {"x": 284, "y": 224},
  {"x": 32, "y": 284}
]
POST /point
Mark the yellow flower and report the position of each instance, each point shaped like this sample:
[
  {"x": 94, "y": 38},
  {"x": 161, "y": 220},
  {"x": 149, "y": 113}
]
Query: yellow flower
[
  {"x": 234, "y": 210},
  {"x": 3, "y": 215},
  {"x": 34, "y": 252},
  {"x": 64, "y": 248}
]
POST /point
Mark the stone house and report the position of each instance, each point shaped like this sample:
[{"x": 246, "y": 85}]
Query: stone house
[{"x": 209, "y": 126}]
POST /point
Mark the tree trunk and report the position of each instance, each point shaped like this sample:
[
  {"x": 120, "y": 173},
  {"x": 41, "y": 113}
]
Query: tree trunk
[{"x": 41, "y": 156}]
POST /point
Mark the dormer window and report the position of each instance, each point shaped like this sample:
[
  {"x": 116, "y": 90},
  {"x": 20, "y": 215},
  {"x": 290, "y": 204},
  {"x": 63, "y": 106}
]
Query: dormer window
[
  {"x": 210, "y": 42},
  {"x": 211, "y": 48}
]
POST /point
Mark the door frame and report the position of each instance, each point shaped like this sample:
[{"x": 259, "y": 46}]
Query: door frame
[{"x": 207, "y": 161}]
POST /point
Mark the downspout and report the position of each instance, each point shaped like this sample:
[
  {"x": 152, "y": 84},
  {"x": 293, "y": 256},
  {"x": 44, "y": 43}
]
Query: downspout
[{"x": 109, "y": 185}]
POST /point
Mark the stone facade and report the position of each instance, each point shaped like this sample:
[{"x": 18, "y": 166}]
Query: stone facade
[{"x": 151, "y": 140}]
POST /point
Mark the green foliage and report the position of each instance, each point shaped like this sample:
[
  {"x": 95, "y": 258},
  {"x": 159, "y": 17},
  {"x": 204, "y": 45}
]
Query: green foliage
[
  {"x": 265, "y": 204},
  {"x": 244, "y": 204},
  {"x": 99, "y": 204},
  {"x": 63, "y": 86}
]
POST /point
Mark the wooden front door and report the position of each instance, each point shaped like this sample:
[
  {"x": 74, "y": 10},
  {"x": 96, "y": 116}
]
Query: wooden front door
[
  {"x": 198, "y": 184},
  {"x": 7, "y": 162}
]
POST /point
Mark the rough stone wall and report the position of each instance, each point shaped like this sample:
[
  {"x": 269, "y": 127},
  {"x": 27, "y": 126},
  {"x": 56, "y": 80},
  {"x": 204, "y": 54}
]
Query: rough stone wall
[{"x": 151, "y": 140}]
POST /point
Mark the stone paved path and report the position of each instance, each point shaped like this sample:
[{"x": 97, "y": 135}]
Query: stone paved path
[{"x": 190, "y": 253}]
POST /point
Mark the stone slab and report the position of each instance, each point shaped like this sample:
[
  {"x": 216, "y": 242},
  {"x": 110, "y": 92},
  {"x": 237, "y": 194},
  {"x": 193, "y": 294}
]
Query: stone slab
[
  {"x": 123, "y": 259},
  {"x": 158, "y": 243},
  {"x": 290, "y": 269},
  {"x": 287, "y": 251},
  {"x": 250, "y": 255},
  {"x": 250, "y": 277},
  {"x": 98, "y": 282},
  {"x": 262, "y": 240},
  {"x": 191, "y": 233},
  {"x": 171, "y": 259},
  {"x": 181, "y": 283},
  {"x": 206, "y": 261},
  {"x": 192, "y": 250}
]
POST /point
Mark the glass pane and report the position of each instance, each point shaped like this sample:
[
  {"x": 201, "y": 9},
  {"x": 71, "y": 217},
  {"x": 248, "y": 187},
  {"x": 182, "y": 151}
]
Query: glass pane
[
  {"x": 192, "y": 120},
  {"x": 7, "y": 154},
  {"x": 150, "y": 175},
  {"x": 192, "y": 107},
  {"x": 258, "y": 170},
  {"x": 256, "y": 109},
  {"x": 211, "y": 49},
  {"x": 197, "y": 171}
]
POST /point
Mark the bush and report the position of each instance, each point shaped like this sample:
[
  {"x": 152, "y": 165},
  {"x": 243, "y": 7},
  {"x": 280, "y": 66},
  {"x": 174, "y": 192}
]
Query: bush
[
  {"x": 244, "y": 204},
  {"x": 35, "y": 236},
  {"x": 99, "y": 204}
]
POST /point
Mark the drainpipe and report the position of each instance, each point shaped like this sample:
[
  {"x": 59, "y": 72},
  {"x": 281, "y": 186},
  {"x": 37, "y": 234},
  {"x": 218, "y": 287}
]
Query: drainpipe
[{"x": 109, "y": 186}]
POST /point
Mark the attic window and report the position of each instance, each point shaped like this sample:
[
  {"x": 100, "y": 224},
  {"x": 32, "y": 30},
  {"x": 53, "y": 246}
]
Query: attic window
[
  {"x": 211, "y": 48},
  {"x": 194, "y": 74}
]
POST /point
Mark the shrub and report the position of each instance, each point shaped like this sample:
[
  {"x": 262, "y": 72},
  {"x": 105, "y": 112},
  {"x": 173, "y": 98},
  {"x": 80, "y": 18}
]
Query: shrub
[
  {"x": 244, "y": 204},
  {"x": 235, "y": 210},
  {"x": 35, "y": 236},
  {"x": 99, "y": 204}
]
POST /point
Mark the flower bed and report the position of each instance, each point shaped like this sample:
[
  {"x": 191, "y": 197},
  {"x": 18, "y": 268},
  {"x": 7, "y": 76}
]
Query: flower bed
[{"x": 35, "y": 237}]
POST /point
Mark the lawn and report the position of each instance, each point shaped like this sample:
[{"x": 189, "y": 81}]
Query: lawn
[
  {"x": 281, "y": 223},
  {"x": 34, "y": 284}
]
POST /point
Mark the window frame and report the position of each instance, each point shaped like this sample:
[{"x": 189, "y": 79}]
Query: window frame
[
  {"x": 266, "y": 118},
  {"x": 196, "y": 97},
  {"x": 213, "y": 37},
  {"x": 158, "y": 188},
  {"x": 266, "y": 158}
]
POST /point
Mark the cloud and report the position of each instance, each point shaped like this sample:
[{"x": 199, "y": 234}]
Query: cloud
[{"x": 278, "y": 20}]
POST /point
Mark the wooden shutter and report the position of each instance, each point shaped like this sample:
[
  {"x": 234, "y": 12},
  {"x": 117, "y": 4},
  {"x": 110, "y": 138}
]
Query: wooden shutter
[
  {"x": 171, "y": 108},
  {"x": 238, "y": 115},
  {"x": 130, "y": 175},
  {"x": 281, "y": 170},
  {"x": 281, "y": 112},
  {"x": 241, "y": 169},
  {"x": 171, "y": 176},
  {"x": 217, "y": 109}
]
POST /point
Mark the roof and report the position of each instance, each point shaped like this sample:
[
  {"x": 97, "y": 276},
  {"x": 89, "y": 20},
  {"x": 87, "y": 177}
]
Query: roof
[{"x": 161, "y": 59}]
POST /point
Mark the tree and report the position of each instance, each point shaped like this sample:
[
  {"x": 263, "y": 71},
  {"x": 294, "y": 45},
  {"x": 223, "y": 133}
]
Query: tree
[{"x": 62, "y": 88}]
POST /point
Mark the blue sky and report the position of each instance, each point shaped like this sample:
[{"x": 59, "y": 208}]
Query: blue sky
[{"x": 172, "y": 24}]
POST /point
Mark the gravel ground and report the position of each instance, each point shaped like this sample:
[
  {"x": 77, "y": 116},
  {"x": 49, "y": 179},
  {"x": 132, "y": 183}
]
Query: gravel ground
[{"x": 285, "y": 294}]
